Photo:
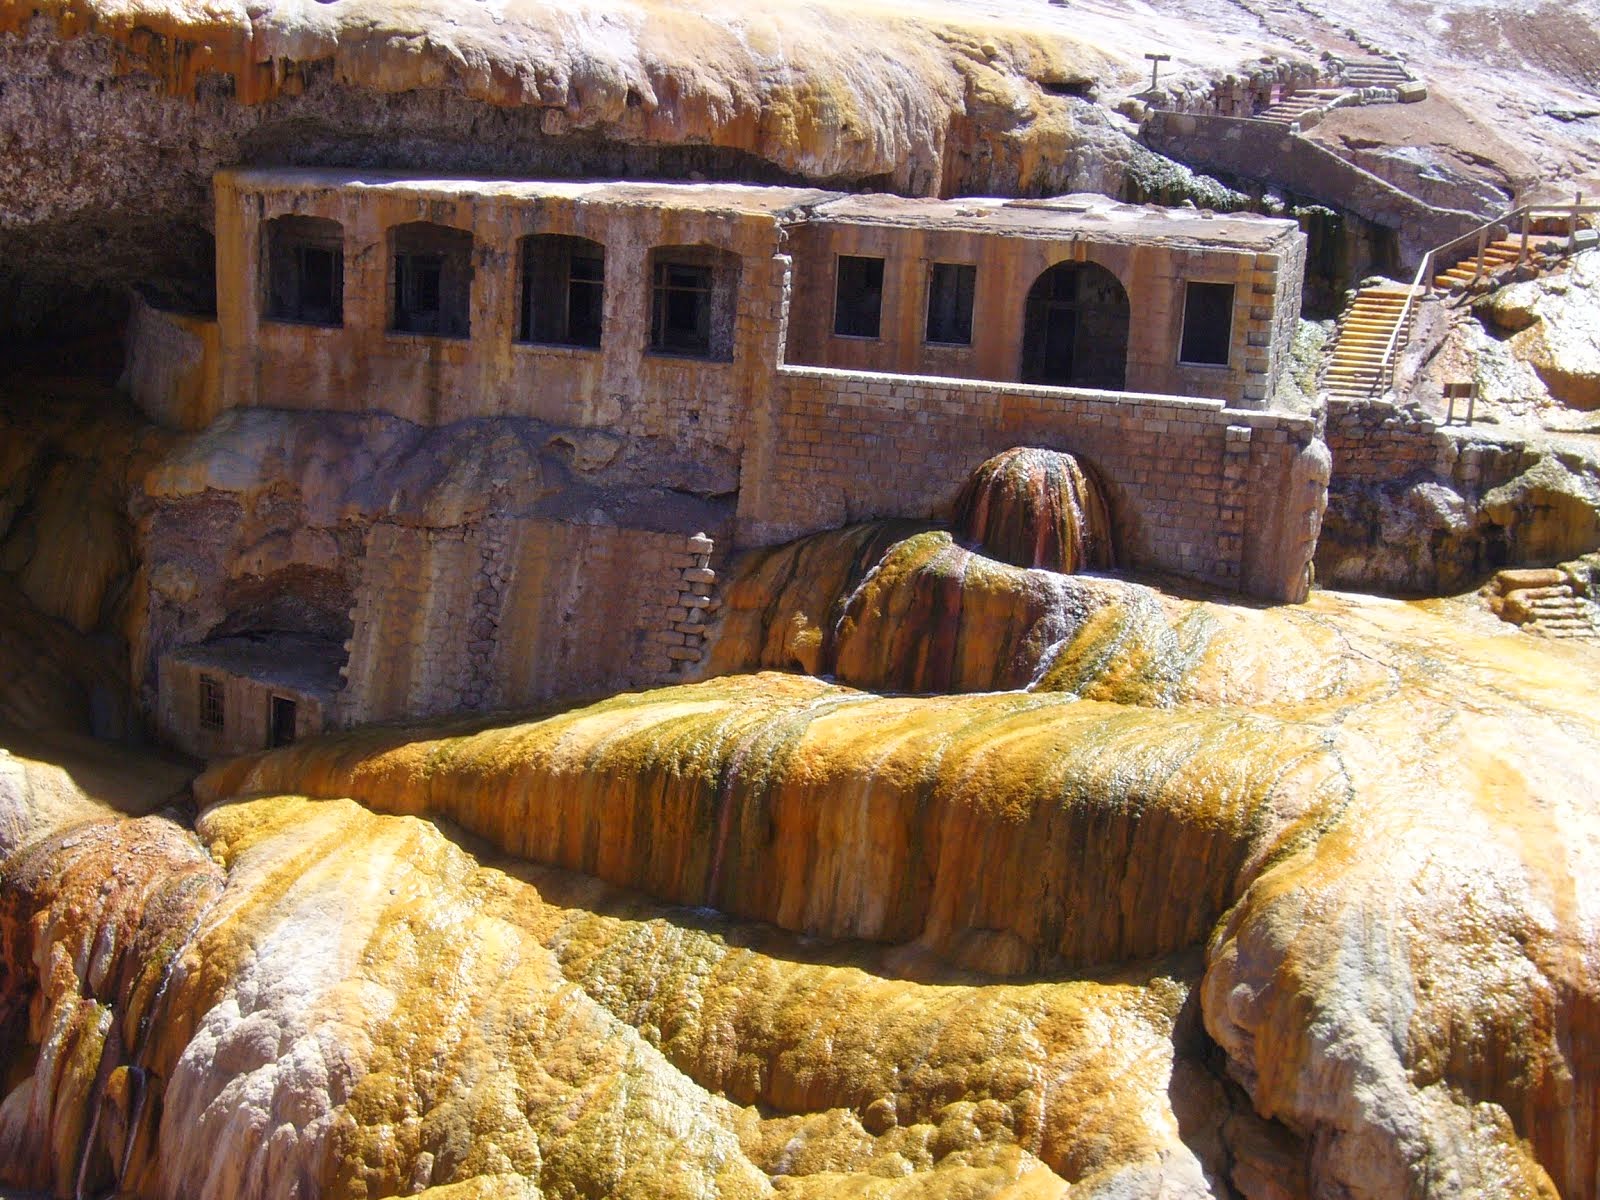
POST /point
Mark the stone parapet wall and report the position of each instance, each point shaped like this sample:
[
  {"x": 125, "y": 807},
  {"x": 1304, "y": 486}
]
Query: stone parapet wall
[
  {"x": 1374, "y": 442},
  {"x": 1272, "y": 154},
  {"x": 172, "y": 366},
  {"x": 1194, "y": 488},
  {"x": 510, "y": 613}
]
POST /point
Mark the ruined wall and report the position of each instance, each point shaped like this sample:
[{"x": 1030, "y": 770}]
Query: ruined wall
[
  {"x": 690, "y": 409},
  {"x": 1151, "y": 270},
  {"x": 172, "y": 366},
  {"x": 510, "y": 613},
  {"x": 1193, "y": 487},
  {"x": 247, "y": 706}
]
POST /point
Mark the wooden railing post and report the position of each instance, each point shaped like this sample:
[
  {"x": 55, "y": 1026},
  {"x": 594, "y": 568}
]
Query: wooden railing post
[
  {"x": 1483, "y": 243},
  {"x": 1527, "y": 222}
]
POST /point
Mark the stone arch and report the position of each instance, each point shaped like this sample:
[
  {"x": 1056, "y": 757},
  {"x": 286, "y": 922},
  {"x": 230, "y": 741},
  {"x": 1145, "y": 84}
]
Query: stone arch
[
  {"x": 431, "y": 279},
  {"x": 1075, "y": 328}
]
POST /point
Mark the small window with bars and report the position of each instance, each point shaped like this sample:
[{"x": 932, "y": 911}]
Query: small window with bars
[{"x": 211, "y": 703}]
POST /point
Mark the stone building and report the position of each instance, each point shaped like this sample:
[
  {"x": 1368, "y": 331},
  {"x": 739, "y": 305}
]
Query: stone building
[{"x": 798, "y": 358}]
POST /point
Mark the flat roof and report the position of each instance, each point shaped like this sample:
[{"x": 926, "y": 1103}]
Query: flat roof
[
  {"x": 1084, "y": 215},
  {"x": 294, "y": 662},
  {"x": 742, "y": 198}
]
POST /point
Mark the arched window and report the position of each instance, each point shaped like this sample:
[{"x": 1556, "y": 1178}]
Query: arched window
[
  {"x": 432, "y": 280},
  {"x": 694, "y": 301},
  {"x": 1075, "y": 329},
  {"x": 304, "y": 270},
  {"x": 563, "y": 290}
]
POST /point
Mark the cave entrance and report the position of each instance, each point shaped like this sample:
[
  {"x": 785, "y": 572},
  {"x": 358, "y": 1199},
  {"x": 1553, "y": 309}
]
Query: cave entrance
[
  {"x": 281, "y": 721},
  {"x": 1075, "y": 329}
]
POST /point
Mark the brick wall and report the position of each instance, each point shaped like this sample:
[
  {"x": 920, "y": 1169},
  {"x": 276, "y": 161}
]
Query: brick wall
[
  {"x": 1189, "y": 482},
  {"x": 511, "y": 613}
]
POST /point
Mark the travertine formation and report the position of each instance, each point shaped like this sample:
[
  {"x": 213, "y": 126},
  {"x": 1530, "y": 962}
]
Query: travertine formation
[{"x": 1335, "y": 862}]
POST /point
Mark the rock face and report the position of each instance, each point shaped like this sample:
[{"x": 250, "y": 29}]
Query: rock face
[
  {"x": 158, "y": 95},
  {"x": 1537, "y": 351},
  {"x": 1415, "y": 508}
]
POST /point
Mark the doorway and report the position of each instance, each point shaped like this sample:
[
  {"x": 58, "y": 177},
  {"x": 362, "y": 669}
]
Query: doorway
[
  {"x": 1075, "y": 329},
  {"x": 280, "y": 722}
]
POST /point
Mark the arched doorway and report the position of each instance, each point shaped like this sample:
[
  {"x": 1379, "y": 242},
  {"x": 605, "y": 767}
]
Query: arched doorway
[{"x": 1075, "y": 329}]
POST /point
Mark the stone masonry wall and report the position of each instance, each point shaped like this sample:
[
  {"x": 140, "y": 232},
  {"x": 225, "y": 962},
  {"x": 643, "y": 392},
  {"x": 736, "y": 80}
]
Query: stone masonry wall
[
  {"x": 1374, "y": 443},
  {"x": 510, "y": 613},
  {"x": 1416, "y": 508},
  {"x": 1193, "y": 487},
  {"x": 1271, "y": 154}
]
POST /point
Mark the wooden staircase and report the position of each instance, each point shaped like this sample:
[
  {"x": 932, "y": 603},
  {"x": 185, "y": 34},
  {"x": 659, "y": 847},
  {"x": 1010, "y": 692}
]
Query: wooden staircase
[
  {"x": 1497, "y": 256},
  {"x": 1356, "y": 366}
]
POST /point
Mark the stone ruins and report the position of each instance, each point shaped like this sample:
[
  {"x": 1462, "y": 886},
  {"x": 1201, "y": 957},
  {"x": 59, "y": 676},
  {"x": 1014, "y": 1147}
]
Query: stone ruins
[{"x": 797, "y": 359}]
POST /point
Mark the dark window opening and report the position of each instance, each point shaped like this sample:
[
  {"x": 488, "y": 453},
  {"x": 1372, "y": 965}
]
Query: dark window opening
[
  {"x": 281, "y": 721},
  {"x": 305, "y": 270},
  {"x": 563, "y": 290},
  {"x": 858, "y": 297},
  {"x": 432, "y": 280},
  {"x": 211, "y": 711},
  {"x": 1207, "y": 324},
  {"x": 1075, "y": 328},
  {"x": 950, "y": 290},
  {"x": 692, "y": 309}
]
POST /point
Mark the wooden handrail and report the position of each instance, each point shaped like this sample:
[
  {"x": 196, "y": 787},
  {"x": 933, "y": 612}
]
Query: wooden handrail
[{"x": 1423, "y": 283}]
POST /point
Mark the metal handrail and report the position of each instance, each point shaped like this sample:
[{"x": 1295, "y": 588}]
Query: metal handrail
[{"x": 1423, "y": 283}]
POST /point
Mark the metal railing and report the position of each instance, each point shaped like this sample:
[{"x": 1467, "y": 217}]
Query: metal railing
[{"x": 1423, "y": 284}]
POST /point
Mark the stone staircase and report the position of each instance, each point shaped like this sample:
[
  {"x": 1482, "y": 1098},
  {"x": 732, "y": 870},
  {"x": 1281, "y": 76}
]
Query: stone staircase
[
  {"x": 1377, "y": 71},
  {"x": 1290, "y": 109},
  {"x": 1543, "y": 601},
  {"x": 1355, "y": 363}
]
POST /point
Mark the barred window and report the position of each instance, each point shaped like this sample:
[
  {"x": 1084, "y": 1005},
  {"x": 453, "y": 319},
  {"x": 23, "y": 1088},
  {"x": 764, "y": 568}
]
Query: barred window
[{"x": 211, "y": 703}]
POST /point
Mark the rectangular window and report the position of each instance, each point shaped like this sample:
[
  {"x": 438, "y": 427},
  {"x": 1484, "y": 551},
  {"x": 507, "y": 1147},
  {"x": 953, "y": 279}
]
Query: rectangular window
[
  {"x": 858, "y": 297},
  {"x": 211, "y": 703},
  {"x": 304, "y": 260},
  {"x": 681, "y": 313},
  {"x": 563, "y": 289},
  {"x": 1207, "y": 324},
  {"x": 950, "y": 289}
]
